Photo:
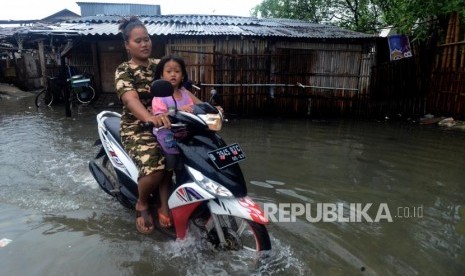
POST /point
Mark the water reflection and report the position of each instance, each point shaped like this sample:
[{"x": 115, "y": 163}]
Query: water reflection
[{"x": 51, "y": 206}]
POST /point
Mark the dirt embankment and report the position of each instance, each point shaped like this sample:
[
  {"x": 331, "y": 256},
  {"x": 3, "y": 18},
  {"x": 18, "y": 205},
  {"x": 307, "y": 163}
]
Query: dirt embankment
[{"x": 8, "y": 91}]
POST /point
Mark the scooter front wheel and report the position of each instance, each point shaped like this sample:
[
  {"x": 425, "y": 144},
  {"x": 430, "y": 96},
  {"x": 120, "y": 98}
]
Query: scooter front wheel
[{"x": 240, "y": 233}]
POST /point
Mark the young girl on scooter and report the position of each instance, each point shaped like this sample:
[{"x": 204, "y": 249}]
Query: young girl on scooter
[{"x": 173, "y": 69}]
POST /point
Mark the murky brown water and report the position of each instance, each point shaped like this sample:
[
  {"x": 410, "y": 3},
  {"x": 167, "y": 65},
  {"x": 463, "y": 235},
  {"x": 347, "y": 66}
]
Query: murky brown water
[{"x": 60, "y": 223}]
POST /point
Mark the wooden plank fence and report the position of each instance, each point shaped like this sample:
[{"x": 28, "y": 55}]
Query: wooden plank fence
[
  {"x": 448, "y": 75},
  {"x": 432, "y": 81}
]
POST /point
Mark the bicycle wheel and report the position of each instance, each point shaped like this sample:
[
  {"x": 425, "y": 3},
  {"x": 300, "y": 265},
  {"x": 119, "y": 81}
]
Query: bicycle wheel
[
  {"x": 44, "y": 98},
  {"x": 85, "y": 94}
]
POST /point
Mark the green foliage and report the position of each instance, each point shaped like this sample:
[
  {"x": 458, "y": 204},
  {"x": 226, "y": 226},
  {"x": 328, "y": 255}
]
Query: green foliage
[
  {"x": 368, "y": 16},
  {"x": 421, "y": 17},
  {"x": 308, "y": 10},
  {"x": 357, "y": 15}
]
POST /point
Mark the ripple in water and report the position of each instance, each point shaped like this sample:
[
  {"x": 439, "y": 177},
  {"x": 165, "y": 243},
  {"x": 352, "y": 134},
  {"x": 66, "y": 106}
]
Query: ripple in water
[
  {"x": 267, "y": 183},
  {"x": 274, "y": 182},
  {"x": 261, "y": 184}
]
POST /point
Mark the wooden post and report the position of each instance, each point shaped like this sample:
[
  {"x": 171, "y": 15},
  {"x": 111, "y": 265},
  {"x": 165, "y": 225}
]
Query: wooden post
[
  {"x": 462, "y": 58},
  {"x": 445, "y": 56},
  {"x": 66, "y": 89},
  {"x": 456, "y": 39},
  {"x": 95, "y": 68},
  {"x": 42, "y": 63}
]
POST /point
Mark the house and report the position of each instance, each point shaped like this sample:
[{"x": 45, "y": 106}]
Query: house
[
  {"x": 121, "y": 9},
  {"x": 256, "y": 65},
  {"x": 18, "y": 63},
  {"x": 60, "y": 16}
]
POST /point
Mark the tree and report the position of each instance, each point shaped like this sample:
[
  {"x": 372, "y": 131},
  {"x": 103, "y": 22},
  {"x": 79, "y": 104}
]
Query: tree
[
  {"x": 357, "y": 15},
  {"x": 411, "y": 17},
  {"x": 308, "y": 10},
  {"x": 420, "y": 17}
]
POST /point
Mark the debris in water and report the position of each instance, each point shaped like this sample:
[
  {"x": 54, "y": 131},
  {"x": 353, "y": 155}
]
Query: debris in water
[
  {"x": 4, "y": 242},
  {"x": 447, "y": 122}
]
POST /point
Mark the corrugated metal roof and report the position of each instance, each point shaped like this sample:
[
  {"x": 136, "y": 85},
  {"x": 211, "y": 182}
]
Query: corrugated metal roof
[
  {"x": 222, "y": 25},
  {"x": 211, "y": 25}
]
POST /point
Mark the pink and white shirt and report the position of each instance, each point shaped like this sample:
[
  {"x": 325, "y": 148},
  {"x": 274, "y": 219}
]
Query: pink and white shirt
[{"x": 163, "y": 105}]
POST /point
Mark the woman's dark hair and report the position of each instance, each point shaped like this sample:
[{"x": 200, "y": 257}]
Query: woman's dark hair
[
  {"x": 127, "y": 25},
  {"x": 159, "y": 70}
]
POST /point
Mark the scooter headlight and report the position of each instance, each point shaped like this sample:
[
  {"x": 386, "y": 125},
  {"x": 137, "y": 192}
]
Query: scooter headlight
[
  {"x": 206, "y": 183},
  {"x": 214, "y": 121}
]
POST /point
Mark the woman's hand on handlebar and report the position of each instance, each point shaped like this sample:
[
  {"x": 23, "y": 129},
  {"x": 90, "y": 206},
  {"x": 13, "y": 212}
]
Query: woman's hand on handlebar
[{"x": 160, "y": 120}]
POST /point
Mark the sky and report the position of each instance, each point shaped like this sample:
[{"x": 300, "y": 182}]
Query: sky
[{"x": 38, "y": 9}]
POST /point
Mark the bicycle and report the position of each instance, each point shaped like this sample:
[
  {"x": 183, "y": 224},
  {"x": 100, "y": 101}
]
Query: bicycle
[
  {"x": 48, "y": 94},
  {"x": 80, "y": 87}
]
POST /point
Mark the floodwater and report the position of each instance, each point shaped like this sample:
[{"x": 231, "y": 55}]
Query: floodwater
[{"x": 58, "y": 221}]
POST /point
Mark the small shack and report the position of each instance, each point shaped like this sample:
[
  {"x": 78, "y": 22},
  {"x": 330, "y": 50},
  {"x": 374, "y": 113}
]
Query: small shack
[{"x": 257, "y": 65}]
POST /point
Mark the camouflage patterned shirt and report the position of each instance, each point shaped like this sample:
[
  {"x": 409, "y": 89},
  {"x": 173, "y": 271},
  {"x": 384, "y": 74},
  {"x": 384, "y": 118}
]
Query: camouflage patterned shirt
[
  {"x": 130, "y": 77},
  {"x": 139, "y": 143}
]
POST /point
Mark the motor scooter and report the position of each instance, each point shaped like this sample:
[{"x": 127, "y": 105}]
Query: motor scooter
[{"x": 209, "y": 190}]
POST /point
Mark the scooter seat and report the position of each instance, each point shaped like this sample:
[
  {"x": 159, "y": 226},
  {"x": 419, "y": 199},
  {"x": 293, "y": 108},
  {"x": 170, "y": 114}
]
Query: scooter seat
[{"x": 113, "y": 126}]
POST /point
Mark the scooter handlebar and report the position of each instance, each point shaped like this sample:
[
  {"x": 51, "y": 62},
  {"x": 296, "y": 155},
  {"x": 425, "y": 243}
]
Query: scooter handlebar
[
  {"x": 151, "y": 125},
  {"x": 172, "y": 125}
]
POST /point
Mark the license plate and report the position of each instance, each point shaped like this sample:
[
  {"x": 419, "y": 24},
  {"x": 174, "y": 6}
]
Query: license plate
[{"x": 226, "y": 156}]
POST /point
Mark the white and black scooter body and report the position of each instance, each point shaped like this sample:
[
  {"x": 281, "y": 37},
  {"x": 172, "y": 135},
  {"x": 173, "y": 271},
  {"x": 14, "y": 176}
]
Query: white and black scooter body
[{"x": 209, "y": 182}]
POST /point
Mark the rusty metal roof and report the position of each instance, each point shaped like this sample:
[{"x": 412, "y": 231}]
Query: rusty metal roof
[{"x": 208, "y": 25}]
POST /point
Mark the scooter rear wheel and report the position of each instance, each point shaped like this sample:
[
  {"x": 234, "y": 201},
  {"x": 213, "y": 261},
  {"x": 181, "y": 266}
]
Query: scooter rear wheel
[{"x": 111, "y": 174}]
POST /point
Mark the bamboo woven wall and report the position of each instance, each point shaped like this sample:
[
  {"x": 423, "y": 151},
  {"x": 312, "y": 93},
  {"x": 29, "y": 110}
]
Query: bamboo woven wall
[
  {"x": 448, "y": 76},
  {"x": 258, "y": 76}
]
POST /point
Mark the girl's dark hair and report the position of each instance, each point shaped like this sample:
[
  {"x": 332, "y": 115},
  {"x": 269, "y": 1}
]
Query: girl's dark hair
[
  {"x": 127, "y": 25},
  {"x": 159, "y": 70}
]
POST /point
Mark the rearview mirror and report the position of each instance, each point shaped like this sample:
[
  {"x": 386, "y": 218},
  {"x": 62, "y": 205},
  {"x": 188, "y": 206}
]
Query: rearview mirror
[{"x": 161, "y": 88}]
